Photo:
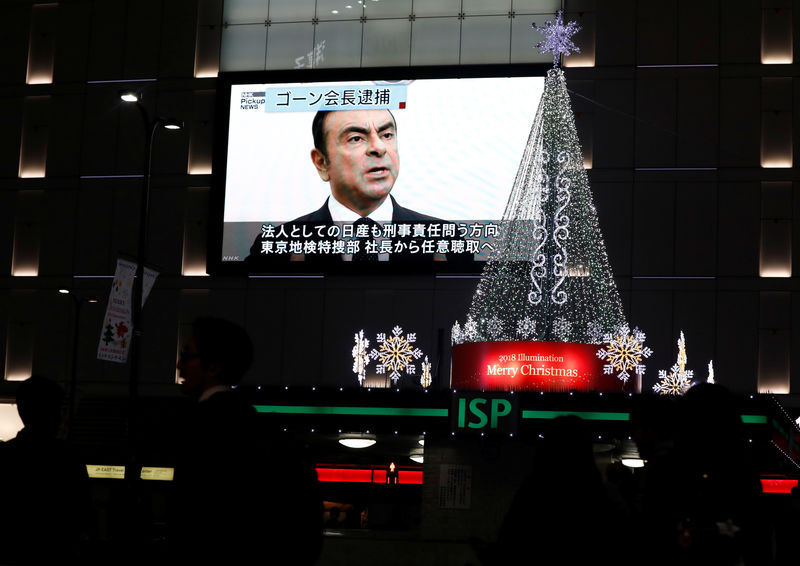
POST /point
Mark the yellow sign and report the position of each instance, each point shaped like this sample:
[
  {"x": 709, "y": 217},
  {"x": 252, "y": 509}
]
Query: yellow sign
[
  {"x": 161, "y": 474},
  {"x": 107, "y": 472}
]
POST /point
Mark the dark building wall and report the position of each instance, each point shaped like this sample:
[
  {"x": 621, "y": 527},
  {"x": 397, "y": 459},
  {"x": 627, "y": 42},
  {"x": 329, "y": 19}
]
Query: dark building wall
[{"x": 674, "y": 117}]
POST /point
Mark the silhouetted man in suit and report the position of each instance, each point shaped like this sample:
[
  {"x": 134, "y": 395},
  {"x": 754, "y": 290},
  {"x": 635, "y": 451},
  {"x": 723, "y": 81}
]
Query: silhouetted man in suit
[
  {"x": 241, "y": 495},
  {"x": 45, "y": 504}
]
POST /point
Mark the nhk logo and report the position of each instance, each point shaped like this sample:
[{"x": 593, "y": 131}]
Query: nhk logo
[{"x": 252, "y": 100}]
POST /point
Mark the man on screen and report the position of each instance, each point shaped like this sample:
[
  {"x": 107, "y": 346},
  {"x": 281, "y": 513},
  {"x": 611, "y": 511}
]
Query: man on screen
[{"x": 356, "y": 152}]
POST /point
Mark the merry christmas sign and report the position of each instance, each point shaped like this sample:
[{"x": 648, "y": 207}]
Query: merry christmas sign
[{"x": 531, "y": 366}]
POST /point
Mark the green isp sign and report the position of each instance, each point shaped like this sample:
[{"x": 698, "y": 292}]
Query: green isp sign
[{"x": 485, "y": 412}]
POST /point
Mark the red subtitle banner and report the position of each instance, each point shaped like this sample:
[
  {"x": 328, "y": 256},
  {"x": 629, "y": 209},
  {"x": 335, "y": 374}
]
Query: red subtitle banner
[{"x": 530, "y": 366}]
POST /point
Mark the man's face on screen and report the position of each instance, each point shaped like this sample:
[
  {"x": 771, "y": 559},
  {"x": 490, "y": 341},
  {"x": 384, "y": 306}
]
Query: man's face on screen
[{"x": 362, "y": 162}]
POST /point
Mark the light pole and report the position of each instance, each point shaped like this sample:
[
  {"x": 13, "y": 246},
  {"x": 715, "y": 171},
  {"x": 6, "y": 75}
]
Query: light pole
[
  {"x": 78, "y": 301},
  {"x": 150, "y": 129}
]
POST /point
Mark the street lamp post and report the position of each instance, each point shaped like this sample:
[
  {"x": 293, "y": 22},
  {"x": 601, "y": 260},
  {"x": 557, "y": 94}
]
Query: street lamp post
[
  {"x": 150, "y": 129},
  {"x": 78, "y": 301}
]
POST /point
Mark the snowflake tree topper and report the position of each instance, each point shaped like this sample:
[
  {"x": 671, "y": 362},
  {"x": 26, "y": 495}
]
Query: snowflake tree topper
[
  {"x": 557, "y": 37},
  {"x": 623, "y": 352}
]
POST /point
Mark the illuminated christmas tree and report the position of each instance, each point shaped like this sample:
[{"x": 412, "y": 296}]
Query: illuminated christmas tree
[{"x": 548, "y": 278}]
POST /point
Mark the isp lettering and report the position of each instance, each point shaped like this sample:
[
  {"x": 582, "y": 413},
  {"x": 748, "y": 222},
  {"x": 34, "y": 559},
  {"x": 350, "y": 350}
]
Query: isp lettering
[
  {"x": 495, "y": 412},
  {"x": 473, "y": 408}
]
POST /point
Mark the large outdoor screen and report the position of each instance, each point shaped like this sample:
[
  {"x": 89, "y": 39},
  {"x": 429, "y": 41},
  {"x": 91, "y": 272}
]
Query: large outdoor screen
[{"x": 428, "y": 155}]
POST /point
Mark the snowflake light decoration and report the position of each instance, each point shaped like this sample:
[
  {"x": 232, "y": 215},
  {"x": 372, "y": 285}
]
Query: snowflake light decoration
[
  {"x": 396, "y": 353},
  {"x": 679, "y": 379},
  {"x": 494, "y": 328},
  {"x": 425, "y": 379},
  {"x": 526, "y": 327},
  {"x": 562, "y": 328},
  {"x": 557, "y": 37},
  {"x": 594, "y": 332},
  {"x": 360, "y": 357},
  {"x": 623, "y": 352}
]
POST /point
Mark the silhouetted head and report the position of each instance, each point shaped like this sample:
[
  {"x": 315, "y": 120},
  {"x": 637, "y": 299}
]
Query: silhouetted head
[
  {"x": 710, "y": 411},
  {"x": 567, "y": 441},
  {"x": 39, "y": 402},
  {"x": 654, "y": 424},
  {"x": 219, "y": 352}
]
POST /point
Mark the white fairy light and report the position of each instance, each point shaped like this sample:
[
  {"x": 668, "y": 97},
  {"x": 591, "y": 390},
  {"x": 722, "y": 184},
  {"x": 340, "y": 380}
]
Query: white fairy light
[
  {"x": 360, "y": 357},
  {"x": 425, "y": 379}
]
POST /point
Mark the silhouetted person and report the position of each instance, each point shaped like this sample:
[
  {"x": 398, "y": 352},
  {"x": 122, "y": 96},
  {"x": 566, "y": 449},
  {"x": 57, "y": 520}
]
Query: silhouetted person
[
  {"x": 561, "y": 514},
  {"x": 701, "y": 501},
  {"x": 241, "y": 496},
  {"x": 45, "y": 485}
]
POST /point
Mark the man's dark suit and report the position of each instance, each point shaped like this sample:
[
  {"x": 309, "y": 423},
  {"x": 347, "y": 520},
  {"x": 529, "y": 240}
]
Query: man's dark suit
[
  {"x": 322, "y": 217},
  {"x": 241, "y": 490}
]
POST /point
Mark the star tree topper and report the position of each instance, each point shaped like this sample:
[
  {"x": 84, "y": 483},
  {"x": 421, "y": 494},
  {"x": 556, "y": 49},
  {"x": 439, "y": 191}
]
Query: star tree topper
[{"x": 557, "y": 38}]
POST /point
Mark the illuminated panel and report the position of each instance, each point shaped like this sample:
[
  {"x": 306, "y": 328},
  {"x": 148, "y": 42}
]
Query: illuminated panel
[
  {"x": 531, "y": 366},
  {"x": 27, "y": 234},
  {"x": 10, "y": 423},
  {"x": 19, "y": 350},
  {"x": 206, "y": 54},
  {"x": 774, "y": 360},
  {"x": 41, "y": 43},
  {"x": 586, "y": 415},
  {"x": 345, "y": 475},
  {"x": 201, "y": 140},
  {"x": 776, "y": 139},
  {"x": 158, "y": 474},
  {"x": 754, "y": 419},
  {"x": 432, "y": 412},
  {"x": 775, "y": 258},
  {"x": 372, "y": 411},
  {"x": 33, "y": 141},
  {"x": 410, "y": 477},
  {"x": 106, "y": 472},
  {"x": 777, "y": 485},
  {"x": 367, "y": 475},
  {"x": 194, "y": 232},
  {"x": 776, "y": 36},
  {"x": 776, "y": 122}
]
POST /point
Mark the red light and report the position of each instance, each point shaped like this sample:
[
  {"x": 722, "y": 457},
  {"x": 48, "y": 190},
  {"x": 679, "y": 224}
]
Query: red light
[
  {"x": 410, "y": 477},
  {"x": 777, "y": 485},
  {"x": 347, "y": 475},
  {"x": 367, "y": 475}
]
